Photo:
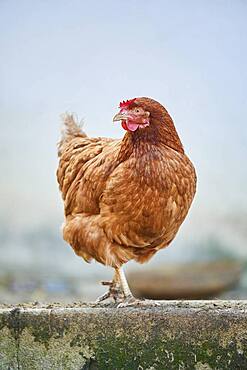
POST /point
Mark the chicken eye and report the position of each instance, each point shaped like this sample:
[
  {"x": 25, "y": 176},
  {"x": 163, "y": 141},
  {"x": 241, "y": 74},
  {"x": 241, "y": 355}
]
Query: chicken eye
[{"x": 137, "y": 110}]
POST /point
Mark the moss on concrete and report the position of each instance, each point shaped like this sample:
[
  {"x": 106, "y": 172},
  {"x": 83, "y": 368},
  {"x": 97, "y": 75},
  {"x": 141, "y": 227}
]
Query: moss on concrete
[{"x": 175, "y": 335}]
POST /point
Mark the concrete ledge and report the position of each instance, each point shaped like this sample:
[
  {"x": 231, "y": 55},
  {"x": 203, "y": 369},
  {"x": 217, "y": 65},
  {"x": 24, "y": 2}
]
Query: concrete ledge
[{"x": 175, "y": 335}]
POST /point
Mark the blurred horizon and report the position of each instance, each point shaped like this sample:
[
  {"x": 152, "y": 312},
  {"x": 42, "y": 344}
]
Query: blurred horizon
[{"x": 86, "y": 57}]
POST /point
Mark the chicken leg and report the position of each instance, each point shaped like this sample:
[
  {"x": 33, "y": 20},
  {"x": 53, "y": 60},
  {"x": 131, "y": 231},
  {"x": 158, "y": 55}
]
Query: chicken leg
[{"x": 118, "y": 288}]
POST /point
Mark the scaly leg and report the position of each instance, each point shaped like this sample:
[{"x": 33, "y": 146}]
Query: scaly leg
[{"x": 123, "y": 283}]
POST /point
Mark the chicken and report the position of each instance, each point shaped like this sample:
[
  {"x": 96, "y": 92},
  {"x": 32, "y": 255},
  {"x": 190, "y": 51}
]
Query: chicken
[{"x": 124, "y": 199}]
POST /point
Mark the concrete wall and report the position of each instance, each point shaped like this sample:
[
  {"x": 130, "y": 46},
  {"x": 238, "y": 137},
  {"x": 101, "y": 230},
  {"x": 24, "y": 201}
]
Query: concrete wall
[{"x": 175, "y": 335}]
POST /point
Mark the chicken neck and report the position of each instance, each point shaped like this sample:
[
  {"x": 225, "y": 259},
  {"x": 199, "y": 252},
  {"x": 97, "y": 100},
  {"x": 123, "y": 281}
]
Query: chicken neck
[{"x": 142, "y": 140}]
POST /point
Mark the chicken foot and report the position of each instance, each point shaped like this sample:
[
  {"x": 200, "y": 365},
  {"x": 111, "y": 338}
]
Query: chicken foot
[
  {"x": 118, "y": 288},
  {"x": 129, "y": 299}
]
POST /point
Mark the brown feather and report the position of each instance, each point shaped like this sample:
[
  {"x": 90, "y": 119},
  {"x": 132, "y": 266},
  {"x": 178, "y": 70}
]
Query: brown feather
[{"x": 125, "y": 199}]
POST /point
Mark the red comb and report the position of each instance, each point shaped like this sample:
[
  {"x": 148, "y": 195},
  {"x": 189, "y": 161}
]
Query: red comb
[{"x": 125, "y": 104}]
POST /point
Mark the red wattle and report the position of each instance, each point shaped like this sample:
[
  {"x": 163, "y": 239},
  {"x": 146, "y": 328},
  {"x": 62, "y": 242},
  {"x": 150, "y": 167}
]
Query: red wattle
[
  {"x": 124, "y": 126},
  {"x": 129, "y": 125}
]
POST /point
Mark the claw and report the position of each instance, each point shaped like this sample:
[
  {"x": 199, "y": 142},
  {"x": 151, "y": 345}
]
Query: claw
[
  {"x": 132, "y": 301},
  {"x": 110, "y": 283},
  {"x": 103, "y": 297}
]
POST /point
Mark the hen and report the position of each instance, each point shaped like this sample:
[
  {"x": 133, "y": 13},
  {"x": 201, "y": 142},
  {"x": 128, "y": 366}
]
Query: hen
[{"x": 124, "y": 199}]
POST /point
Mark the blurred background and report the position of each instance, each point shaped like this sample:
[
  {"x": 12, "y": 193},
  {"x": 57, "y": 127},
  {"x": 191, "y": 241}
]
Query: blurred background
[{"x": 85, "y": 57}]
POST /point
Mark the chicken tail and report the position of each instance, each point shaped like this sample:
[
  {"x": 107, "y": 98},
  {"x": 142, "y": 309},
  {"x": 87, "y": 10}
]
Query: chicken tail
[{"x": 71, "y": 128}]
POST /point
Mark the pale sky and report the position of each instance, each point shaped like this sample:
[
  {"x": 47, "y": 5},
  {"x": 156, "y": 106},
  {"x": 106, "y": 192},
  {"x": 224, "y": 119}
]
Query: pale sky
[{"x": 85, "y": 57}]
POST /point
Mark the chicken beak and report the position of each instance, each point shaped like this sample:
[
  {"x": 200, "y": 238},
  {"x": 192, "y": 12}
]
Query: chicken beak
[{"x": 119, "y": 117}]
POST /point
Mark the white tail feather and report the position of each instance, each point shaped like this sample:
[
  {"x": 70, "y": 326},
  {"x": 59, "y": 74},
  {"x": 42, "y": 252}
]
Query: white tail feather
[{"x": 70, "y": 128}]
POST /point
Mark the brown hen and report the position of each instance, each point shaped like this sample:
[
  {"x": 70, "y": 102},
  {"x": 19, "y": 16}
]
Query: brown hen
[{"x": 124, "y": 199}]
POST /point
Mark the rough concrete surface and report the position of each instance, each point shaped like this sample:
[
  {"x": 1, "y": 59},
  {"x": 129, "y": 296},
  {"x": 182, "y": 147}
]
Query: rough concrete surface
[{"x": 175, "y": 335}]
